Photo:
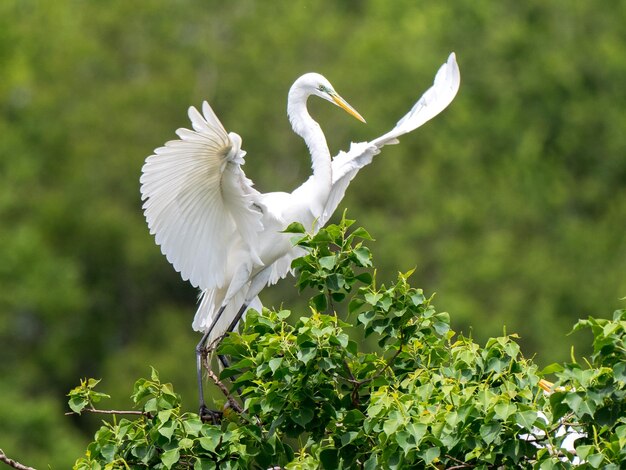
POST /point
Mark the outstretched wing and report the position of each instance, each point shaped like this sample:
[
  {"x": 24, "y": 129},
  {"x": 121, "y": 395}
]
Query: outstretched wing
[
  {"x": 198, "y": 201},
  {"x": 346, "y": 165}
]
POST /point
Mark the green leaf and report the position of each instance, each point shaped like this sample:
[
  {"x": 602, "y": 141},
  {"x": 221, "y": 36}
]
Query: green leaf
[
  {"x": 365, "y": 278},
  {"x": 406, "y": 441},
  {"x": 151, "y": 405},
  {"x": 489, "y": 431},
  {"x": 167, "y": 429},
  {"x": 353, "y": 417},
  {"x": 385, "y": 302},
  {"x": 348, "y": 437},
  {"x": 319, "y": 302},
  {"x": 548, "y": 465},
  {"x": 595, "y": 460},
  {"x": 352, "y": 347},
  {"x": 78, "y": 404},
  {"x": 441, "y": 328},
  {"x": 393, "y": 422},
  {"x": 620, "y": 432},
  {"x": 143, "y": 452},
  {"x": 343, "y": 340},
  {"x": 204, "y": 464},
  {"x": 355, "y": 304},
  {"x": 302, "y": 416},
  {"x": 323, "y": 236},
  {"x": 363, "y": 256},
  {"x": 526, "y": 419},
  {"x": 329, "y": 458},
  {"x": 430, "y": 454},
  {"x": 366, "y": 317},
  {"x": 108, "y": 452},
  {"x": 361, "y": 233},
  {"x": 283, "y": 314},
  {"x": 192, "y": 426},
  {"x": 185, "y": 443},
  {"x": 210, "y": 443},
  {"x": 417, "y": 430},
  {"x": 504, "y": 410},
  {"x": 551, "y": 369},
  {"x": 583, "y": 451},
  {"x": 580, "y": 404},
  {"x": 295, "y": 227},
  {"x": 371, "y": 463},
  {"x": 373, "y": 298},
  {"x": 306, "y": 354},
  {"x": 328, "y": 262},
  {"x": 164, "y": 415},
  {"x": 91, "y": 383},
  {"x": 334, "y": 282},
  {"x": 170, "y": 457},
  {"x": 418, "y": 298},
  {"x": 619, "y": 372},
  {"x": 275, "y": 363}
]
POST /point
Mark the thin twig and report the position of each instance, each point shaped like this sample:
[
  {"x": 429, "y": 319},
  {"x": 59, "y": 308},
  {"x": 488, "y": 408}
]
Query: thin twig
[
  {"x": 388, "y": 365},
  {"x": 347, "y": 366},
  {"x": 233, "y": 403},
  {"x": 112, "y": 412},
  {"x": 379, "y": 373},
  {"x": 354, "y": 395},
  {"x": 331, "y": 304},
  {"x": 460, "y": 462},
  {"x": 13, "y": 463}
]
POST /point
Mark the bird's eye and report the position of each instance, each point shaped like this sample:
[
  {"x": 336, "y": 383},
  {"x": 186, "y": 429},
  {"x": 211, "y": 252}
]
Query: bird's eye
[{"x": 323, "y": 89}]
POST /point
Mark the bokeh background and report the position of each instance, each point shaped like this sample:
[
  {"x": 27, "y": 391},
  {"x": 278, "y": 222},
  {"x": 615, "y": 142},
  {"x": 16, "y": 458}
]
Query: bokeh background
[{"x": 511, "y": 205}]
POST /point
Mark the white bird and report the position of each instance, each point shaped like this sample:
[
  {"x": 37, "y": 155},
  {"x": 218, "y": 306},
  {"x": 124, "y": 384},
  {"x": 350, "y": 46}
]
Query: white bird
[{"x": 223, "y": 235}]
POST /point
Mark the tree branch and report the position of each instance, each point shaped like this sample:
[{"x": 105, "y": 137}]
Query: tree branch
[
  {"x": 233, "y": 403},
  {"x": 349, "y": 371},
  {"x": 113, "y": 412},
  {"x": 388, "y": 365},
  {"x": 13, "y": 463},
  {"x": 460, "y": 463},
  {"x": 383, "y": 369},
  {"x": 359, "y": 383}
]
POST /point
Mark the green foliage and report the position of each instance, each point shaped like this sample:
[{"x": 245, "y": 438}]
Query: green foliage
[
  {"x": 85, "y": 396},
  {"x": 508, "y": 204},
  {"x": 595, "y": 396},
  {"x": 165, "y": 437},
  {"x": 314, "y": 397}
]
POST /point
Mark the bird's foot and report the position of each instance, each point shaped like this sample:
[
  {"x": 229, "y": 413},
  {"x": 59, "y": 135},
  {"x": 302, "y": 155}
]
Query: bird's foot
[{"x": 210, "y": 416}]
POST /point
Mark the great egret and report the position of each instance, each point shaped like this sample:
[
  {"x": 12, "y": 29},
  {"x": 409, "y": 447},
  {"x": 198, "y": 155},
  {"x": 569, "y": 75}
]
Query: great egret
[{"x": 224, "y": 236}]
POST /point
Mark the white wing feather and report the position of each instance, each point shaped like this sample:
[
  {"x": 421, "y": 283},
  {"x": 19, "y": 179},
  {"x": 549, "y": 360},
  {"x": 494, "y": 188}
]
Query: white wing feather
[
  {"x": 346, "y": 165},
  {"x": 198, "y": 201},
  {"x": 207, "y": 217}
]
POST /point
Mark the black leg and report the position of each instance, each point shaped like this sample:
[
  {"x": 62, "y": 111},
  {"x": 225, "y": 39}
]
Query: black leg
[
  {"x": 199, "y": 353},
  {"x": 231, "y": 327},
  {"x": 224, "y": 361},
  {"x": 204, "y": 412},
  {"x": 237, "y": 317}
]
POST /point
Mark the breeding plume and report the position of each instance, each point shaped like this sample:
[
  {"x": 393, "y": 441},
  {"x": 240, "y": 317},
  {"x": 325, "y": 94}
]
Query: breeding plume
[{"x": 223, "y": 235}]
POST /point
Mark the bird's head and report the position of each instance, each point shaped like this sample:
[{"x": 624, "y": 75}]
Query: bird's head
[{"x": 318, "y": 85}]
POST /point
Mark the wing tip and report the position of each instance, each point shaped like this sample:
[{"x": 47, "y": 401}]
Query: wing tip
[{"x": 454, "y": 72}]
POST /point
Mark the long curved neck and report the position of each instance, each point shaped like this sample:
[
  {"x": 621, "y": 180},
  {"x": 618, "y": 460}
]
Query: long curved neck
[{"x": 306, "y": 127}]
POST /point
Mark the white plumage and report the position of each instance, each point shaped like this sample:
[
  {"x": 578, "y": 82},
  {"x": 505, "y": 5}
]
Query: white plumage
[{"x": 223, "y": 235}]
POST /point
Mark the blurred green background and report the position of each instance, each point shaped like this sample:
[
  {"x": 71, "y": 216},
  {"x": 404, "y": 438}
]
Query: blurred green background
[{"x": 510, "y": 205}]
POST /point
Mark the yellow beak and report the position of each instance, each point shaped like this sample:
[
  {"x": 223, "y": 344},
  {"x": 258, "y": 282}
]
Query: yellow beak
[
  {"x": 546, "y": 386},
  {"x": 343, "y": 104}
]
